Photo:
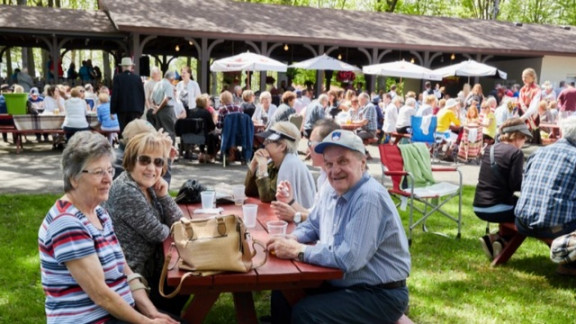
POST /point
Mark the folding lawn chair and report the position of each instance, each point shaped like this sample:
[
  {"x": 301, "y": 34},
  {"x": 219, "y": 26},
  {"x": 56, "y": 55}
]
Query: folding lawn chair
[
  {"x": 191, "y": 132},
  {"x": 405, "y": 183}
]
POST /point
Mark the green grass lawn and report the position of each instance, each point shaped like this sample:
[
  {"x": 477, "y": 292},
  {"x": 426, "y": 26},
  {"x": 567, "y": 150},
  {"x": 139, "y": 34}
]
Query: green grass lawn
[{"x": 451, "y": 280}]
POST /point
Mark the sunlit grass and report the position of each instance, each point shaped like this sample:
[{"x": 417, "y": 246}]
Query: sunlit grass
[{"x": 451, "y": 280}]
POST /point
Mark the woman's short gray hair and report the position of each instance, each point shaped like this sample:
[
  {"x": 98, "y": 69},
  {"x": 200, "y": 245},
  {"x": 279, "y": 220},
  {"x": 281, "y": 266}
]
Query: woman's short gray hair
[
  {"x": 568, "y": 128},
  {"x": 289, "y": 129},
  {"x": 81, "y": 149}
]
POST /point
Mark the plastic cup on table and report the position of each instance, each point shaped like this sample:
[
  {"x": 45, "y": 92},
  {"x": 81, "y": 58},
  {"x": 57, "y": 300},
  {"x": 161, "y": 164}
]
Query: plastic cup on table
[
  {"x": 238, "y": 194},
  {"x": 250, "y": 212},
  {"x": 207, "y": 198},
  {"x": 277, "y": 228}
]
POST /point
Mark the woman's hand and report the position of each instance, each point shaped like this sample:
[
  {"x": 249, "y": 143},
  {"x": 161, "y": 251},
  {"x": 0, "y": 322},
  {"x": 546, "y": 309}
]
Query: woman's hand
[
  {"x": 284, "y": 192},
  {"x": 161, "y": 187},
  {"x": 260, "y": 160},
  {"x": 162, "y": 318},
  {"x": 283, "y": 211}
]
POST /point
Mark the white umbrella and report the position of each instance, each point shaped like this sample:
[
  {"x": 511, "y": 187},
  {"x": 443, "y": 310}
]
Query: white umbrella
[
  {"x": 401, "y": 69},
  {"x": 470, "y": 68},
  {"x": 247, "y": 62},
  {"x": 324, "y": 62}
]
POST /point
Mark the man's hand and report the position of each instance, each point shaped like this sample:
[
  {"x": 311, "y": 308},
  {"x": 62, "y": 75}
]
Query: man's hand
[
  {"x": 285, "y": 247},
  {"x": 260, "y": 160},
  {"x": 283, "y": 211}
]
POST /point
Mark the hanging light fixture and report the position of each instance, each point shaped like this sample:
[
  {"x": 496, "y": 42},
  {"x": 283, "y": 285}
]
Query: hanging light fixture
[
  {"x": 177, "y": 48},
  {"x": 452, "y": 57},
  {"x": 286, "y": 47},
  {"x": 339, "y": 56},
  {"x": 191, "y": 42},
  {"x": 412, "y": 60}
]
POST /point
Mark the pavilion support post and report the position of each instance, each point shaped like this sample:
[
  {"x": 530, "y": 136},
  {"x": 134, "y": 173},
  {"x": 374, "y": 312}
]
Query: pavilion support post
[
  {"x": 136, "y": 51},
  {"x": 55, "y": 53},
  {"x": 263, "y": 50},
  {"x": 319, "y": 74},
  {"x": 203, "y": 65},
  {"x": 371, "y": 85}
]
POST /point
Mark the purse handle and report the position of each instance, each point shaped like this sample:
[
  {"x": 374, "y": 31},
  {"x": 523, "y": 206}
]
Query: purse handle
[{"x": 176, "y": 291}]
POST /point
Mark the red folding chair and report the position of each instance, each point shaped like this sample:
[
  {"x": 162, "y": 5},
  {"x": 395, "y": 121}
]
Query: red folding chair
[{"x": 433, "y": 196}]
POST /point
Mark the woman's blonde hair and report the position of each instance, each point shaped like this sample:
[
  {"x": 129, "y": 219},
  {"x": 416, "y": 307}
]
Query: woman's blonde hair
[
  {"x": 151, "y": 141},
  {"x": 202, "y": 101}
]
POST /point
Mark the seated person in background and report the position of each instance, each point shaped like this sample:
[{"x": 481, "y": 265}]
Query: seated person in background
[
  {"x": 315, "y": 111},
  {"x": 202, "y": 104},
  {"x": 278, "y": 161},
  {"x": 135, "y": 127},
  {"x": 427, "y": 108},
  {"x": 545, "y": 116},
  {"x": 285, "y": 109},
  {"x": 404, "y": 116},
  {"x": 247, "y": 105},
  {"x": 265, "y": 109},
  {"x": 227, "y": 106},
  {"x": 547, "y": 204},
  {"x": 356, "y": 228},
  {"x": 108, "y": 122},
  {"x": 448, "y": 120},
  {"x": 142, "y": 210},
  {"x": 391, "y": 117},
  {"x": 472, "y": 118},
  {"x": 284, "y": 194},
  {"x": 499, "y": 178},
  {"x": 84, "y": 273},
  {"x": 75, "y": 119},
  {"x": 367, "y": 117}
]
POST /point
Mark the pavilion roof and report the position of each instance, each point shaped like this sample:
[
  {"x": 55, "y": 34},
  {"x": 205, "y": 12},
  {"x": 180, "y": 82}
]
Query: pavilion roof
[
  {"x": 45, "y": 20},
  {"x": 250, "y": 21}
]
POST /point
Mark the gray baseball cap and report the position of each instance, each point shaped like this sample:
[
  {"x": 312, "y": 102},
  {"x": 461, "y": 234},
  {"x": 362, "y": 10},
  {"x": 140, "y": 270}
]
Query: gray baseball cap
[{"x": 342, "y": 138}]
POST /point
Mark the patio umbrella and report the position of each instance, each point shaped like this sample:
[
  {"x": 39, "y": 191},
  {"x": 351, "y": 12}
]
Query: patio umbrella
[
  {"x": 470, "y": 68},
  {"x": 401, "y": 69},
  {"x": 247, "y": 62},
  {"x": 324, "y": 62}
]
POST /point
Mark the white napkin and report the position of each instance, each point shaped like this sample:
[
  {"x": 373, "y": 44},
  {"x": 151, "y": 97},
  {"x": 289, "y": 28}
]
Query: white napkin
[{"x": 209, "y": 210}]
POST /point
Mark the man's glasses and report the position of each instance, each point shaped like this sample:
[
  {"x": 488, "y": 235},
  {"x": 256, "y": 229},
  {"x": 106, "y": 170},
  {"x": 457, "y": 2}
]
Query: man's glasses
[
  {"x": 145, "y": 160},
  {"x": 101, "y": 172}
]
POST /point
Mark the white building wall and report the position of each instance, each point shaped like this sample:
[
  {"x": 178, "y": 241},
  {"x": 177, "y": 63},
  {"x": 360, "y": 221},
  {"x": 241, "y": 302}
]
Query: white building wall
[{"x": 558, "y": 68}]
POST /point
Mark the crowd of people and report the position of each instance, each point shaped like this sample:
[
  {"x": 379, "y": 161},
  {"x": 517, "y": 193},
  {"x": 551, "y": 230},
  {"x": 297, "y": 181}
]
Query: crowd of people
[{"x": 101, "y": 242}]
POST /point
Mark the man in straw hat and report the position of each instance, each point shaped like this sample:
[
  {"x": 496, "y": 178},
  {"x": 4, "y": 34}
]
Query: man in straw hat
[
  {"x": 128, "y": 97},
  {"x": 357, "y": 229}
]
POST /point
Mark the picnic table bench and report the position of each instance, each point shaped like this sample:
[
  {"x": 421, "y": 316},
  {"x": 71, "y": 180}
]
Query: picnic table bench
[{"x": 513, "y": 244}]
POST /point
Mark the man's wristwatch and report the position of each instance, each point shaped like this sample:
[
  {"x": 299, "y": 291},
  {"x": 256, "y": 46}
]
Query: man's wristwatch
[
  {"x": 301, "y": 254},
  {"x": 298, "y": 218}
]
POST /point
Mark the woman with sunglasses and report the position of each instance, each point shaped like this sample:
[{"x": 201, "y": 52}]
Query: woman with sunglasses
[
  {"x": 84, "y": 272},
  {"x": 143, "y": 211}
]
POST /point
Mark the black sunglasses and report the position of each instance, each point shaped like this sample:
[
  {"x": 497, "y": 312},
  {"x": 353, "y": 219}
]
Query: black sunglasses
[{"x": 145, "y": 160}]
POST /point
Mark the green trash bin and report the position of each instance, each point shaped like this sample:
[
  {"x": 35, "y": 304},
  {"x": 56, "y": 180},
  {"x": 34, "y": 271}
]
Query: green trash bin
[{"x": 16, "y": 103}]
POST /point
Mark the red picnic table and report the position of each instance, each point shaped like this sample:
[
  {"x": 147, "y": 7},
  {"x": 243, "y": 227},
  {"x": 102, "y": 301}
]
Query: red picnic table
[{"x": 289, "y": 276}]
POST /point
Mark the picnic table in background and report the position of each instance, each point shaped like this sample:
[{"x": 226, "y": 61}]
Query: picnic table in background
[{"x": 289, "y": 276}]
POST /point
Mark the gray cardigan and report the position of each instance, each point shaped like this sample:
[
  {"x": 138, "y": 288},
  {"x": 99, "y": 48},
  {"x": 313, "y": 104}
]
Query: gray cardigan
[{"x": 141, "y": 226}]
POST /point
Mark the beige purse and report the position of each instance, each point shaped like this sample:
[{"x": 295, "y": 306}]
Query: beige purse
[{"x": 210, "y": 246}]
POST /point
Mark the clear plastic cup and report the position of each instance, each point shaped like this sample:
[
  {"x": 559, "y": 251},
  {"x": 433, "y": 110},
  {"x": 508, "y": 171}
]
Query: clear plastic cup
[
  {"x": 277, "y": 228},
  {"x": 238, "y": 194},
  {"x": 250, "y": 213},
  {"x": 207, "y": 198}
]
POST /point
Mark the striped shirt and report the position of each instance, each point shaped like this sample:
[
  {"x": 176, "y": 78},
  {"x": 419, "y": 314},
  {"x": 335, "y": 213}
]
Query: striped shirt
[
  {"x": 548, "y": 197},
  {"x": 368, "y": 112},
  {"x": 223, "y": 111},
  {"x": 66, "y": 234},
  {"x": 360, "y": 233}
]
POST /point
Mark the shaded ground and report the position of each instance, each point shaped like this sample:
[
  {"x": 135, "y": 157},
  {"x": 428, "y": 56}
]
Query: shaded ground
[{"x": 37, "y": 170}]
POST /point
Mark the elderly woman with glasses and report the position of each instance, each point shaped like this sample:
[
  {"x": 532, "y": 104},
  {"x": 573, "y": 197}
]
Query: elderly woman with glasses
[
  {"x": 84, "y": 273},
  {"x": 278, "y": 161},
  {"x": 143, "y": 211}
]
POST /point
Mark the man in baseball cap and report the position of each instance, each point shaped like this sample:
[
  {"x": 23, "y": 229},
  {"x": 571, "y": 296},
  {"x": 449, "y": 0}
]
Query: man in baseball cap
[{"x": 356, "y": 228}]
